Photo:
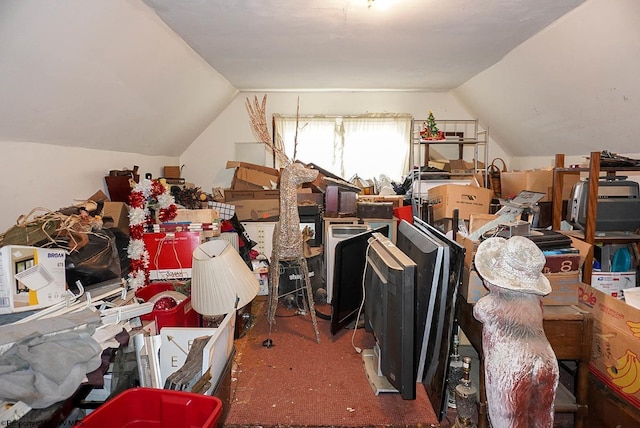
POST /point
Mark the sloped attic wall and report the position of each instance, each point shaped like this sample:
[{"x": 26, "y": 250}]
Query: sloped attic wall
[
  {"x": 88, "y": 87},
  {"x": 572, "y": 88},
  {"x": 102, "y": 74}
]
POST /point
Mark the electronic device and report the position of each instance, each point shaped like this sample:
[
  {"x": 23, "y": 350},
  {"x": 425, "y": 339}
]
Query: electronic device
[
  {"x": 335, "y": 234},
  {"x": 389, "y": 314},
  {"x": 440, "y": 334},
  {"x": 350, "y": 261},
  {"x": 428, "y": 254},
  {"x": 618, "y": 205}
]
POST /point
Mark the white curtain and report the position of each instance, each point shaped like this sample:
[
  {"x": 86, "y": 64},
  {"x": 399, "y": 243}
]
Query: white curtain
[{"x": 367, "y": 146}]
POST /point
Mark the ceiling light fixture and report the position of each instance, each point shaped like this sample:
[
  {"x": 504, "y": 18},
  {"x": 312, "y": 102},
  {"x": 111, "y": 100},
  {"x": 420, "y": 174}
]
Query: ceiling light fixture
[{"x": 380, "y": 4}]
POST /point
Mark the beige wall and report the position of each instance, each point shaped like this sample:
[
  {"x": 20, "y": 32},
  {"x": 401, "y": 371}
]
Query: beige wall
[
  {"x": 204, "y": 161},
  {"x": 53, "y": 177}
]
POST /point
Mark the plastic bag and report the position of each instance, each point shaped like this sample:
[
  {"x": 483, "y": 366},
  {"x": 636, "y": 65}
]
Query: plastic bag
[{"x": 95, "y": 262}]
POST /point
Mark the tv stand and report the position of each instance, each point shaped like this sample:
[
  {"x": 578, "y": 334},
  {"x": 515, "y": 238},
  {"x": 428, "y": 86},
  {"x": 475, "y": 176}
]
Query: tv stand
[{"x": 379, "y": 383}]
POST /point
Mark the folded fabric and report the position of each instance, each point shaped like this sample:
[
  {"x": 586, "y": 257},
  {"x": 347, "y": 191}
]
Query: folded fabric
[
  {"x": 12, "y": 333},
  {"x": 41, "y": 370}
]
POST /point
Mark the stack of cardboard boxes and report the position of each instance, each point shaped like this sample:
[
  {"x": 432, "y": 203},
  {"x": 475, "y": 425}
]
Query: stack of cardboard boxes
[
  {"x": 562, "y": 270},
  {"x": 616, "y": 343},
  {"x": 253, "y": 192}
]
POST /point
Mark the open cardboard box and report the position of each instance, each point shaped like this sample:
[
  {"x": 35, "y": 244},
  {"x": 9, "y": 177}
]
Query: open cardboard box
[
  {"x": 537, "y": 180},
  {"x": 467, "y": 199},
  {"x": 616, "y": 342},
  {"x": 564, "y": 283},
  {"x": 248, "y": 176}
]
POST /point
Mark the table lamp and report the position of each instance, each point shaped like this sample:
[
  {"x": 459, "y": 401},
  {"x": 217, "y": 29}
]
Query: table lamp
[{"x": 221, "y": 281}]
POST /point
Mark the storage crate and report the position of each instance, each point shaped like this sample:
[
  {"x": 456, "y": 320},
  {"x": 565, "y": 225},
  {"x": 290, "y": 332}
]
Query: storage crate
[
  {"x": 181, "y": 315},
  {"x": 149, "y": 407}
]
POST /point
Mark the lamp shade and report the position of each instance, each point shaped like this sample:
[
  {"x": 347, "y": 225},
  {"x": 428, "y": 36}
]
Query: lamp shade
[{"x": 221, "y": 280}]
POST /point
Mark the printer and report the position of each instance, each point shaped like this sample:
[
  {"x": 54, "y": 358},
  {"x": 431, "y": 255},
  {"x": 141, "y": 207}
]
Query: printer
[{"x": 618, "y": 205}]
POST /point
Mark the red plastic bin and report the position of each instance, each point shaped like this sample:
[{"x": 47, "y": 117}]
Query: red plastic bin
[
  {"x": 404, "y": 213},
  {"x": 182, "y": 315},
  {"x": 149, "y": 407}
]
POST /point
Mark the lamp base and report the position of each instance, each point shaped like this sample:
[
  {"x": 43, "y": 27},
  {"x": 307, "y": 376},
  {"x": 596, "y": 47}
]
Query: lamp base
[{"x": 212, "y": 321}]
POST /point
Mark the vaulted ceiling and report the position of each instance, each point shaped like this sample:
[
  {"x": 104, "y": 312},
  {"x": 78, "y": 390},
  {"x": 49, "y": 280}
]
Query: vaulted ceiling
[
  {"x": 356, "y": 44},
  {"x": 148, "y": 76}
]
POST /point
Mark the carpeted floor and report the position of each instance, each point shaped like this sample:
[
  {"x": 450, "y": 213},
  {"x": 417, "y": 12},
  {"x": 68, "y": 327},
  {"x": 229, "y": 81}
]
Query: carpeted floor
[{"x": 301, "y": 383}]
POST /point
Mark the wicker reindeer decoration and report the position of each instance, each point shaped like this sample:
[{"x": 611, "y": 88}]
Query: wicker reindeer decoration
[{"x": 287, "y": 236}]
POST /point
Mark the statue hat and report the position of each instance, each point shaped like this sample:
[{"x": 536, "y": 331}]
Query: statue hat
[{"x": 514, "y": 264}]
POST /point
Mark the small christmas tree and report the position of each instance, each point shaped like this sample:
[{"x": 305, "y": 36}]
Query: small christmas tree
[
  {"x": 430, "y": 131},
  {"x": 431, "y": 125}
]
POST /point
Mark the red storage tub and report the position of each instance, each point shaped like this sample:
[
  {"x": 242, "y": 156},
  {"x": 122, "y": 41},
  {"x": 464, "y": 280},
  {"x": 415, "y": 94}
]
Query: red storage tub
[
  {"x": 404, "y": 213},
  {"x": 182, "y": 315},
  {"x": 149, "y": 407}
]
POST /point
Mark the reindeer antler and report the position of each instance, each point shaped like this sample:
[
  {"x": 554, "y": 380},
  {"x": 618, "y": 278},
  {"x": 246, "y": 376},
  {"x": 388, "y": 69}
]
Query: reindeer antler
[{"x": 260, "y": 129}]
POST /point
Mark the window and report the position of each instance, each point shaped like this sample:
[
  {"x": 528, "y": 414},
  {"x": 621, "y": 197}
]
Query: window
[{"x": 367, "y": 146}]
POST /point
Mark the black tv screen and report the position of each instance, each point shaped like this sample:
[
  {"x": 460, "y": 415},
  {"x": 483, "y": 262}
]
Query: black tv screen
[
  {"x": 428, "y": 253},
  {"x": 440, "y": 338},
  {"x": 389, "y": 315},
  {"x": 349, "y": 265}
]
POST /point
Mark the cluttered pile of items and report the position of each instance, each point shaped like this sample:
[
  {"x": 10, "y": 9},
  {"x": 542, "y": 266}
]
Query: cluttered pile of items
[
  {"x": 86, "y": 289},
  {"x": 119, "y": 273}
]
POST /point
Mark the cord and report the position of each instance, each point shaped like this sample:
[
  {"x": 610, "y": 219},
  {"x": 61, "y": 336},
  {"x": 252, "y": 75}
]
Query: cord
[{"x": 364, "y": 275}]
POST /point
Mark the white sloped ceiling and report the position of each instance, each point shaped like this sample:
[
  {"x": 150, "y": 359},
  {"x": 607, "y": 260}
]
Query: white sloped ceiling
[
  {"x": 572, "y": 89},
  {"x": 149, "y": 76},
  {"x": 102, "y": 74}
]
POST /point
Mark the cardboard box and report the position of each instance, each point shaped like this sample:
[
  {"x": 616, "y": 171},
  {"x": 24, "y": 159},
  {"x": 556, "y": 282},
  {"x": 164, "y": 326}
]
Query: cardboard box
[
  {"x": 616, "y": 342},
  {"x": 119, "y": 212},
  {"x": 472, "y": 286},
  {"x": 397, "y": 200},
  {"x": 467, "y": 199},
  {"x": 232, "y": 195},
  {"x": 470, "y": 247},
  {"x": 564, "y": 289},
  {"x": 538, "y": 180},
  {"x": 459, "y": 166},
  {"x": 172, "y": 171},
  {"x": 476, "y": 221},
  {"x": 171, "y": 254},
  {"x": 255, "y": 205},
  {"x": 558, "y": 263},
  {"x": 250, "y": 176},
  {"x": 612, "y": 283},
  {"x": 257, "y": 210},
  {"x": 31, "y": 278},
  {"x": 204, "y": 216},
  {"x": 99, "y": 196}
]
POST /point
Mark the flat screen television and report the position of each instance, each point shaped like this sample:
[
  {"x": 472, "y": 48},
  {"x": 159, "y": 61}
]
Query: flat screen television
[
  {"x": 389, "y": 281},
  {"x": 440, "y": 337},
  {"x": 428, "y": 253},
  {"x": 349, "y": 265}
]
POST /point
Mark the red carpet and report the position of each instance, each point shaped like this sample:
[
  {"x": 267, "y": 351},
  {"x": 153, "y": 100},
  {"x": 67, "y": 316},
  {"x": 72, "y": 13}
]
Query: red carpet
[{"x": 301, "y": 383}]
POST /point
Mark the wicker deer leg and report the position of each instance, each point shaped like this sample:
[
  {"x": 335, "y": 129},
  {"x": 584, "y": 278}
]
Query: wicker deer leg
[
  {"x": 309, "y": 293},
  {"x": 274, "y": 282}
]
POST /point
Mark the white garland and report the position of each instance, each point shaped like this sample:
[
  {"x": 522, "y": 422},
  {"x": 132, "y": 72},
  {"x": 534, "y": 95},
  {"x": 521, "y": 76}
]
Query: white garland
[{"x": 138, "y": 215}]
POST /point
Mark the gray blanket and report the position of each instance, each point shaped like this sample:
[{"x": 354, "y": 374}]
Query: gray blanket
[{"x": 42, "y": 369}]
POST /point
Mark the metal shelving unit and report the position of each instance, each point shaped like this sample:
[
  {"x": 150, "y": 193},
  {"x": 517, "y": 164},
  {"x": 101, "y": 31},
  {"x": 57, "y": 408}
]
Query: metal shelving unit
[{"x": 464, "y": 139}]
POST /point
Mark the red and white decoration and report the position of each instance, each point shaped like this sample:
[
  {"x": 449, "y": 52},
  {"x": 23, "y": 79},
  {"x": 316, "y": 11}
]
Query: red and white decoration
[{"x": 145, "y": 193}]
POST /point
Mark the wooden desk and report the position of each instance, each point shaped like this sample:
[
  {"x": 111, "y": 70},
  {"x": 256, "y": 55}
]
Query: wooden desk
[{"x": 569, "y": 330}]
